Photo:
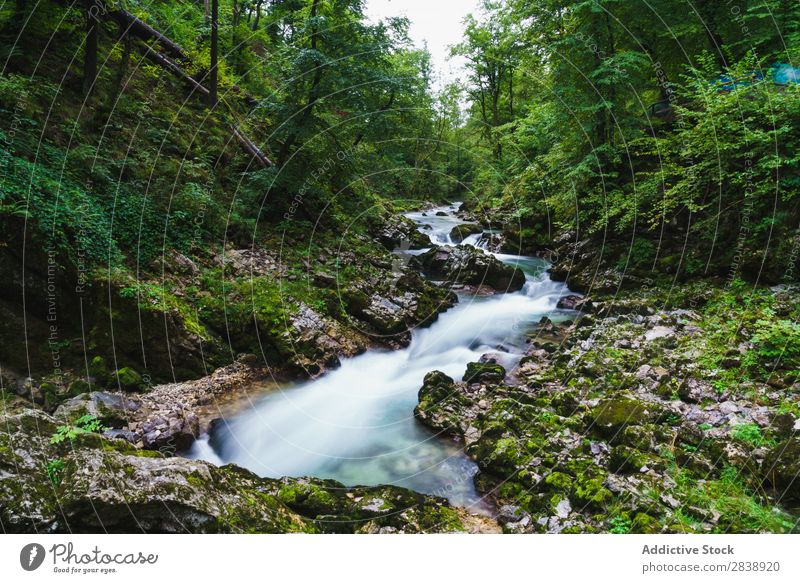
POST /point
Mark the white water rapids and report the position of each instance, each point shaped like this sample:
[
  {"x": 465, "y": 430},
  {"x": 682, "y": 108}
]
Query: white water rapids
[{"x": 356, "y": 423}]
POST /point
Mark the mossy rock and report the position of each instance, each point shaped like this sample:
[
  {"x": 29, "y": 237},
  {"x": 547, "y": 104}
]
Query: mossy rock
[
  {"x": 51, "y": 394},
  {"x": 129, "y": 379},
  {"x": 311, "y": 498},
  {"x": 109, "y": 485},
  {"x": 461, "y": 232},
  {"x": 645, "y": 524},
  {"x": 613, "y": 415},
  {"x": 593, "y": 492},
  {"x": 484, "y": 372},
  {"x": 559, "y": 482},
  {"x": 78, "y": 387},
  {"x": 627, "y": 460},
  {"x": 441, "y": 403},
  {"x": 99, "y": 371}
]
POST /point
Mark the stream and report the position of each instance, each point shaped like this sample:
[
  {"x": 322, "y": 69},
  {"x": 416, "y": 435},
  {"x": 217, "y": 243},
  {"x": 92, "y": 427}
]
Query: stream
[{"x": 356, "y": 424}]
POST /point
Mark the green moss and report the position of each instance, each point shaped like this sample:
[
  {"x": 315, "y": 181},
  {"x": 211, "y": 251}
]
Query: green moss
[
  {"x": 195, "y": 480},
  {"x": 559, "y": 481},
  {"x": 129, "y": 379},
  {"x": 486, "y": 372},
  {"x": 440, "y": 519},
  {"x": 645, "y": 524},
  {"x": 613, "y": 415},
  {"x": 593, "y": 492},
  {"x": 78, "y": 387}
]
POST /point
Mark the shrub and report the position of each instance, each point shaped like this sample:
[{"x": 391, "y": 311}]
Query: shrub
[{"x": 82, "y": 425}]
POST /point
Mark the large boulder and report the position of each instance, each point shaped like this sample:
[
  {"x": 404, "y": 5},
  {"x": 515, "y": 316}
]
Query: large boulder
[
  {"x": 399, "y": 232},
  {"x": 94, "y": 484},
  {"x": 391, "y": 308},
  {"x": 313, "y": 342},
  {"x": 461, "y": 232},
  {"x": 443, "y": 403},
  {"x": 113, "y": 409},
  {"x": 573, "y": 302},
  {"x": 484, "y": 372},
  {"x": 468, "y": 265}
]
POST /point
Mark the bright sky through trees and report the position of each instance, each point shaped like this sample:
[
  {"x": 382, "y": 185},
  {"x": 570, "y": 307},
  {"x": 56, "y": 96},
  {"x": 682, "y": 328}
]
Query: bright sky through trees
[{"x": 437, "y": 22}]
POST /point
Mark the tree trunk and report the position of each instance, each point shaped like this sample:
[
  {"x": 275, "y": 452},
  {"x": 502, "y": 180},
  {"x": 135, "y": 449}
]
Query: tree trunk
[
  {"x": 258, "y": 15},
  {"x": 383, "y": 109},
  {"x": 213, "y": 73},
  {"x": 313, "y": 95},
  {"x": 146, "y": 32},
  {"x": 123, "y": 65},
  {"x": 90, "y": 48}
]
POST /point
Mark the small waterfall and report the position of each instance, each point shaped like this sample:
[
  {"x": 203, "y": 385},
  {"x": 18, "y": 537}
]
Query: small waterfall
[{"x": 356, "y": 423}]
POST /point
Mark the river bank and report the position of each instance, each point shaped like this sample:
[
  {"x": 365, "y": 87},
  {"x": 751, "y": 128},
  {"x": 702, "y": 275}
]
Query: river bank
[{"x": 632, "y": 413}]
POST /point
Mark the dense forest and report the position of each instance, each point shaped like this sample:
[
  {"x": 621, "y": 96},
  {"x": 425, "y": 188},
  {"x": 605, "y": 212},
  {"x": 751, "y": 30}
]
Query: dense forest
[
  {"x": 665, "y": 129},
  {"x": 197, "y": 196}
]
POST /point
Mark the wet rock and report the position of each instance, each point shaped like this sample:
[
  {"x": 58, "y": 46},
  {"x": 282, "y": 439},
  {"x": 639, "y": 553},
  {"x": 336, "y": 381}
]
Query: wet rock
[
  {"x": 484, "y": 372},
  {"x": 399, "y": 232},
  {"x": 461, "y": 232},
  {"x": 174, "y": 430},
  {"x": 392, "y": 308},
  {"x": 468, "y": 265},
  {"x": 573, "y": 302},
  {"x": 315, "y": 342},
  {"x": 443, "y": 404}
]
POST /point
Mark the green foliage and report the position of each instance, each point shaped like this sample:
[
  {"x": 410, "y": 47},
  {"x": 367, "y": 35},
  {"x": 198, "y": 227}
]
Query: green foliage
[
  {"x": 778, "y": 341},
  {"x": 619, "y": 525},
  {"x": 81, "y": 426},
  {"x": 750, "y": 433},
  {"x": 574, "y": 142},
  {"x": 738, "y": 508},
  {"x": 55, "y": 469}
]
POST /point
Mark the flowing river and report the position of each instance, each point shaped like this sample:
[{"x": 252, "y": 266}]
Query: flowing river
[{"x": 356, "y": 423}]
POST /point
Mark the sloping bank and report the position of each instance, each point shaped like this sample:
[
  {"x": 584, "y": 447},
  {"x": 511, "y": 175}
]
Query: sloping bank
[{"x": 91, "y": 483}]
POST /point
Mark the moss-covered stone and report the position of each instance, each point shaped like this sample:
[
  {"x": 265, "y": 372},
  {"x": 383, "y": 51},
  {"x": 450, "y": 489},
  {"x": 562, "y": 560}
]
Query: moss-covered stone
[
  {"x": 129, "y": 379},
  {"x": 78, "y": 387},
  {"x": 109, "y": 485},
  {"x": 98, "y": 370},
  {"x": 613, "y": 415},
  {"x": 441, "y": 403},
  {"x": 484, "y": 372}
]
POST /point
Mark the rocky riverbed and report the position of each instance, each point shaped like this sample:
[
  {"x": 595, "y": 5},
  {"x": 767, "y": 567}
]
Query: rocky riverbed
[
  {"x": 626, "y": 421},
  {"x": 647, "y": 409}
]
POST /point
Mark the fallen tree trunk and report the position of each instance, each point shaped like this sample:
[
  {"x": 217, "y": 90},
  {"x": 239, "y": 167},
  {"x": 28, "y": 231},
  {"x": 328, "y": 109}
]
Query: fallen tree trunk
[
  {"x": 251, "y": 148},
  {"x": 146, "y": 32},
  {"x": 246, "y": 143},
  {"x": 174, "y": 68},
  {"x": 130, "y": 24}
]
